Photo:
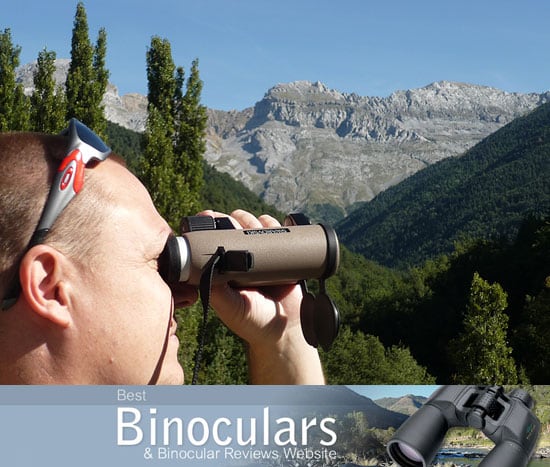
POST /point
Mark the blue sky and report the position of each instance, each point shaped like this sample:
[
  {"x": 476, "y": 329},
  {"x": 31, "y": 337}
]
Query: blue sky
[
  {"x": 380, "y": 391},
  {"x": 244, "y": 47}
]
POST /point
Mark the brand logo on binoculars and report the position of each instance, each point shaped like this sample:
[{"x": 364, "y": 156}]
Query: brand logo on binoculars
[{"x": 266, "y": 231}]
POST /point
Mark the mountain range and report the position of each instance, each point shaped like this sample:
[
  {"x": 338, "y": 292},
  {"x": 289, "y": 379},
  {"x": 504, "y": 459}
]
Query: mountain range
[
  {"x": 341, "y": 400},
  {"x": 407, "y": 405},
  {"x": 306, "y": 147},
  {"x": 486, "y": 193}
]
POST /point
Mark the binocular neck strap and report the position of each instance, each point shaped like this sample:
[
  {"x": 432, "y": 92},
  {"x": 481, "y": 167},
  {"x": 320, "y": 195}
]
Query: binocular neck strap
[{"x": 205, "y": 288}]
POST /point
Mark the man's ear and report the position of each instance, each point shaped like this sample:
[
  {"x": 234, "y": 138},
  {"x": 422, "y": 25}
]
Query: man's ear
[{"x": 44, "y": 285}]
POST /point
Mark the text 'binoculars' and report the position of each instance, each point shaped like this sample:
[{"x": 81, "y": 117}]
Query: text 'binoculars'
[{"x": 506, "y": 419}]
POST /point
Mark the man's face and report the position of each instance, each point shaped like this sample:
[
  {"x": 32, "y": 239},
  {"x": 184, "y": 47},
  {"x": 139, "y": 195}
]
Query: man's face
[{"x": 125, "y": 310}]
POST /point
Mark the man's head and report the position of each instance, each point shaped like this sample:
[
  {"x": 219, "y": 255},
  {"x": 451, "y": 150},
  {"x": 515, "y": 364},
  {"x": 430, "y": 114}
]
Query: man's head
[
  {"x": 93, "y": 308},
  {"x": 28, "y": 163}
]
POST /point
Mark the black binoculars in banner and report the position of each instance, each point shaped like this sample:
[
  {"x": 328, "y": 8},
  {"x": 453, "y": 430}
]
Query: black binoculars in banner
[{"x": 506, "y": 419}]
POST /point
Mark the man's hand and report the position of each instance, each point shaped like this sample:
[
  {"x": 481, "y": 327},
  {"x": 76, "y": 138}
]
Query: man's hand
[{"x": 268, "y": 319}]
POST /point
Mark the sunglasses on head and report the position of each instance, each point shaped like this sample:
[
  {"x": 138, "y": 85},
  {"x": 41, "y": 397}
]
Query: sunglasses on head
[{"x": 84, "y": 148}]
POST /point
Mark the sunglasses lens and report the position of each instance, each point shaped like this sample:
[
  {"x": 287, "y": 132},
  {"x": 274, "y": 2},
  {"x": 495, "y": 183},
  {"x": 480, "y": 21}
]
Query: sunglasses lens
[{"x": 90, "y": 138}]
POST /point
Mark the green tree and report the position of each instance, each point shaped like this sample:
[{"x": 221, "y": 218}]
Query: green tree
[
  {"x": 157, "y": 165},
  {"x": 190, "y": 144},
  {"x": 533, "y": 335},
  {"x": 101, "y": 80},
  {"x": 167, "y": 188},
  {"x": 356, "y": 358},
  {"x": 48, "y": 105},
  {"x": 14, "y": 105},
  {"x": 87, "y": 76},
  {"x": 174, "y": 138},
  {"x": 481, "y": 353},
  {"x": 161, "y": 81},
  {"x": 80, "y": 73}
]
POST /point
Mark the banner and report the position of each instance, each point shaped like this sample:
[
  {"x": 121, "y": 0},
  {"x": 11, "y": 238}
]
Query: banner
[{"x": 202, "y": 425}]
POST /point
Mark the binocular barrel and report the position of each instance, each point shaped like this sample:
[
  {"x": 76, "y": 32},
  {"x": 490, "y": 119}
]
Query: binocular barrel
[
  {"x": 253, "y": 257},
  {"x": 504, "y": 454},
  {"x": 419, "y": 438}
]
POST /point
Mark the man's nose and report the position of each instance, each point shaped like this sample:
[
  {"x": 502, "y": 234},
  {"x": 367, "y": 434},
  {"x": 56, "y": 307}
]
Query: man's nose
[{"x": 184, "y": 294}]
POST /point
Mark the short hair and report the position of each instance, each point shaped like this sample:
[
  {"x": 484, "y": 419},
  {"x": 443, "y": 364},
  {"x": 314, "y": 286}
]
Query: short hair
[{"x": 28, "y": 163}]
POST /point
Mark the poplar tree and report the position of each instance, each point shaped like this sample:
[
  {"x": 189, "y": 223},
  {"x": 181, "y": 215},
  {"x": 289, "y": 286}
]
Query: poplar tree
[
  {"x": 101, "y": 80},
  {"x": 166, "y": 187},
  {"x": 80, "y": 73},
  {"x": 191, "y": 143},
  {"x": 14, "y": 105},
  {"x": 174, "y": 138},
  {"x": 481, "y": 352},
  {"x": 156, "y": 168},
  {"x": 87, "y": 76},
  {"x": 48, "y": 104},
  {"x": 161, "y": 81}
]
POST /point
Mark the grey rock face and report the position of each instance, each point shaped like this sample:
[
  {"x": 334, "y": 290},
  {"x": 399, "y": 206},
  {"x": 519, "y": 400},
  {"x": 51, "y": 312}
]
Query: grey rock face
[
  {"x": 304, "y": 144},
  {"x": 129, "y": 110}
]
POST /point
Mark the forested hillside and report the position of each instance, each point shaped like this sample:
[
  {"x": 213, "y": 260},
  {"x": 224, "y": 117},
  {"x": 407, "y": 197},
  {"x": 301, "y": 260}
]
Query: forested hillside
[
  {"x": 426, "y": 308},
  {"x": 484, "y": 194}
]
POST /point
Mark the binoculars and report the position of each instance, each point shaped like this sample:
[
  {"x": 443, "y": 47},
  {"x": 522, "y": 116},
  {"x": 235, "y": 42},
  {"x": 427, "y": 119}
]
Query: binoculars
[
  {"x": 289, "y": 254},
  {"x": 250, "y": 257},
  {"x": 506, "y": 419}
]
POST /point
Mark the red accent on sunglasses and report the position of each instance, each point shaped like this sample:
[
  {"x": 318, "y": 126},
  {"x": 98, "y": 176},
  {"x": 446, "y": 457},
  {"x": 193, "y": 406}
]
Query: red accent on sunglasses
[{"x": 72, "y": 164}]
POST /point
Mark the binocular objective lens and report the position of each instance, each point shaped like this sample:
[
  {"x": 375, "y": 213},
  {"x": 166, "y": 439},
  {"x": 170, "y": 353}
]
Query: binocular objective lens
[{"x": 406, "y": 456}]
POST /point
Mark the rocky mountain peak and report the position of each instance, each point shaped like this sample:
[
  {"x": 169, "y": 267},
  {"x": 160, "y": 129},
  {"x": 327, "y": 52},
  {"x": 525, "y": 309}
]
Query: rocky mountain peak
[
  {"x": 305, "y": 104},
  {"x": 304, "y": 92}
]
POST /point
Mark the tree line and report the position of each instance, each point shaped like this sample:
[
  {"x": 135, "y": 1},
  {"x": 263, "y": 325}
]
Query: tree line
[{"x": 478, "y": 315}]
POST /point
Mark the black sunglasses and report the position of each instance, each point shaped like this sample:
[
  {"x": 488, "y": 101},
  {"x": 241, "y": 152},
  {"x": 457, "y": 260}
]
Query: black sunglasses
[{"x": 84, "y": 147}]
